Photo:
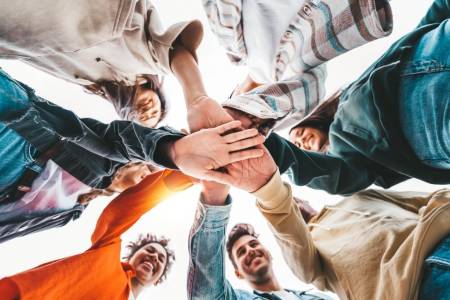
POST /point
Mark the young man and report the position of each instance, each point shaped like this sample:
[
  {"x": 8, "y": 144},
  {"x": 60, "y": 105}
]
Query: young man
[
  {"x": 109, "y": 47},
  {"x": 98, "y": 273},
  {"x": 284, "y": 45},
  {"x": 41, "y": 142},
  {"x": 252, "y": 261},
  {"x": 372, "y": 245}
]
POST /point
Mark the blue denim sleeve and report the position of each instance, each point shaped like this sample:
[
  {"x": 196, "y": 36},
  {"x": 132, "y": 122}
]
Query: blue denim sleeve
[
  {"x": 206, "y": 275},
  {"x": 438, "y": 12}
]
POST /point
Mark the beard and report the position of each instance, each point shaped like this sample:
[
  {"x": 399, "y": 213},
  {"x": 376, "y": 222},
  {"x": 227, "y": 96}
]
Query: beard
[{"x": 261, "y": 275}]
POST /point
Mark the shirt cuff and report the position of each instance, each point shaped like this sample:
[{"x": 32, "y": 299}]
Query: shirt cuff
[
  {"x": 215, "y": 215},
  {"x": 273, "y": 193}
]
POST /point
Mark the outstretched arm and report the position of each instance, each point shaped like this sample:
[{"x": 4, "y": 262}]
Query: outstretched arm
[
  {"x": 196, "y": 154},
  {"x": 203, "y": 112},
  {"x": 206, "y": 275},
  {"x": 127, "y": 208},
  {"x": 276, "y": 203}
]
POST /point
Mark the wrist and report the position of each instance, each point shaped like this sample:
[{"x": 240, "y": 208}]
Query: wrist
[
  {"x": 214, "y": 197},
  {"x": 197, "y": 98}
]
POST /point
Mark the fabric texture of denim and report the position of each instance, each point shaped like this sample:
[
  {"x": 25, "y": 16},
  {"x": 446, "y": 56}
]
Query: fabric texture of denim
[
  {"x": 91, "y": 151},
  {"x": 16, "y": 153},
  {"x": 367, "y": 144},
  {"x": 425, "y": 98},
  {"x": 436, "y": 276},
  {"x": 206, "y": 275}
]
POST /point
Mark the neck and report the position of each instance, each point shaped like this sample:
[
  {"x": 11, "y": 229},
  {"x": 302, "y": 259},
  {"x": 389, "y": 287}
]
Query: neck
[
  {"x": 269, "y": 285},
  {"x": 136, "y": 287}
]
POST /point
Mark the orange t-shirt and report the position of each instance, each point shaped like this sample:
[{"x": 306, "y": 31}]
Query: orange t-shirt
[{"x": 98, "y": 272}]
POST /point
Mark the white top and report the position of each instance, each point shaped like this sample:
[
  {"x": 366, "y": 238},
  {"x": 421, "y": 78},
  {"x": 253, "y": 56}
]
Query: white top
[
  {"x": 285, "y": 295},
  {"x": 264, "y": 23},
  {"x": 52, "y": 191}
]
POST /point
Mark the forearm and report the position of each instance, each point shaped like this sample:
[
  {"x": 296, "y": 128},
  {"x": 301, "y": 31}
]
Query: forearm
[
  {"x": 206, "y": 274},
  {"x": 277, "y": 205},
  {"x": 127, "y": 141},
  {"x": 186, "y": 70},
  {"x": 322, "y": 171},
  {"x": 127, "y": 208}
]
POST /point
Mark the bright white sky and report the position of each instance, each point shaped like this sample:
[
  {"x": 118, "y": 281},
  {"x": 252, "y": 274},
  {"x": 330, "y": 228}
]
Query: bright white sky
[{"x": 174, "y": 217}]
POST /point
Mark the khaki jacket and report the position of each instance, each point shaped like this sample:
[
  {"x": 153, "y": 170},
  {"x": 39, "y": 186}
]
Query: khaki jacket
[
  {"x": 87, "y": 41},
  {"x": 371, "y": 245}
]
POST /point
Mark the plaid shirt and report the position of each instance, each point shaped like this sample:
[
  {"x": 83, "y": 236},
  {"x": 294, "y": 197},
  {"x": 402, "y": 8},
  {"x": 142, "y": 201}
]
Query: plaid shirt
[{"x": 319, "y": 31}]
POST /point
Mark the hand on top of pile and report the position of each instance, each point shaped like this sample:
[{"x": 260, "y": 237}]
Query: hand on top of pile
[{"x": 201, "y": 153}]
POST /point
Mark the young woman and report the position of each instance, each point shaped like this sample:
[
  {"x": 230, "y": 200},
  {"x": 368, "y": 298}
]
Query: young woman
[
  {"x": 312, "y": 132},
  {"x": 392, "y": 123},
  {"x": 143, "y": 102},
  {"x": 109, "y": 44},
  {"x": 98, "y": 273}
]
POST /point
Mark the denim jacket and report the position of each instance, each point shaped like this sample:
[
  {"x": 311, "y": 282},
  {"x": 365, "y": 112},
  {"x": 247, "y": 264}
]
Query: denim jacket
[
  {"x": 206, "y": 275},
  {"x": 91, "y": 151},
  {"x": 366, "y": 141}
]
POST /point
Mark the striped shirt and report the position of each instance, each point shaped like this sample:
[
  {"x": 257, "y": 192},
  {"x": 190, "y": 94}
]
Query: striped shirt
[{"x": 285, "y": 43}]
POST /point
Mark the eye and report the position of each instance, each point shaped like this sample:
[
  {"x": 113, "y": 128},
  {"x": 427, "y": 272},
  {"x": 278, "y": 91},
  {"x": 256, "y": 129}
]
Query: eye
[
  {"x": 254, "y": 244},
  {"x": 240, "y": 252},
  {"x": 151, "y": 250},
  {"x": 161, "y": 258}
]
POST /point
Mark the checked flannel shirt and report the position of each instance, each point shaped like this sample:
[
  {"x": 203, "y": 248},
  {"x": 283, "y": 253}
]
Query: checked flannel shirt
[{"x": 293, "y": 82}]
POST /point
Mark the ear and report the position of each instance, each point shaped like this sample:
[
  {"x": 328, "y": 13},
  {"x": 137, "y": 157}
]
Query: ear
[{"x": 238, "y": 274}]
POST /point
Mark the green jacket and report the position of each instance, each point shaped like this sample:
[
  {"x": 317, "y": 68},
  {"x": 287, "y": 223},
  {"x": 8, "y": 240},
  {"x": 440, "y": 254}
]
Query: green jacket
[{"x": 366, "y": 142}]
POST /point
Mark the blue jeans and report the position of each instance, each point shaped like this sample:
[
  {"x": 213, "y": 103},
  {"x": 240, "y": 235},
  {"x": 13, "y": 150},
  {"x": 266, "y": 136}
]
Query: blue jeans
[
  {"x": 436, "y": 273},
  {"x": 424, "y": 106},
  {"x": 15, "y": 152}
]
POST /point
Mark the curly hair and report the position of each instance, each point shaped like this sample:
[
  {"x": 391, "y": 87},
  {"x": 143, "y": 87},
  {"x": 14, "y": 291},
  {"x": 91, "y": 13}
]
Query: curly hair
[
  {"x": 238, "y": 231},
  {"x": 145, "y": 239}
]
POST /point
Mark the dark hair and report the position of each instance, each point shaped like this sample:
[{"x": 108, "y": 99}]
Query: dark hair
[
  {"x": 154, "y": 83},
  {"x": 123, "y": 96},
  {"x": 87, "y": 197},
  {"x": 238, "y": 231},
  {"x": 145, "y": 239},
  {"x": 322, "y": 116}
]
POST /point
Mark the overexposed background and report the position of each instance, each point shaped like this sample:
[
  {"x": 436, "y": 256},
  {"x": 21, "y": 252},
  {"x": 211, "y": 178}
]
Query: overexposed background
[{"x": 174, "y": 217}]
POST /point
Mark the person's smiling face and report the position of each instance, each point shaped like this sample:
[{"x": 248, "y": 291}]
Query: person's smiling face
[
  {"x": 253, "y": 260},
  {"x": 149, "y": 262},
  {"x": 309, "y": 138}
]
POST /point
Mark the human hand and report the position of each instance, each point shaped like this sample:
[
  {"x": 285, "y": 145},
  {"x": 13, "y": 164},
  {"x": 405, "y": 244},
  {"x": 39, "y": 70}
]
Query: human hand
[
  {"x": 249, "y": 175},
  {"x": 214, "y": 193},
  {"x": 250, "y": 121},
  {"x": 201, "y": 153},
  {"x": 204, "y": 112}
]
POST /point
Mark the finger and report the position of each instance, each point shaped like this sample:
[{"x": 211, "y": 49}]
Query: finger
[
  {"x": 244, "y": 144},
  {"x": 228, "y": 126},
  {"x": 240, "y": 135},
  {"x": 219, "y": 177},
  {"x": 246, "y": 154}
]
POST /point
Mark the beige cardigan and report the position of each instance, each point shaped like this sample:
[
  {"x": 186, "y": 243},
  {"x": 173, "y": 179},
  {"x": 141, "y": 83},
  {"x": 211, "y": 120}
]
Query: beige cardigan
[
  {"x": 369, "y": 246},
  {"x": 86, "y": 41}
]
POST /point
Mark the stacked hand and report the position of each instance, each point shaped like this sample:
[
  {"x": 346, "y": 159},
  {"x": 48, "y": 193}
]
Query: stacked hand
[
  {"x": 201, "y": 153},
  {"x": 249, "y": 175}
]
